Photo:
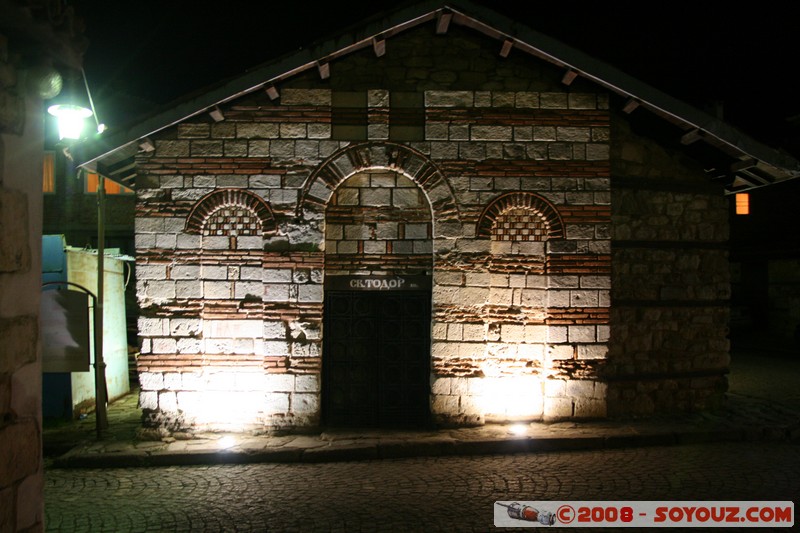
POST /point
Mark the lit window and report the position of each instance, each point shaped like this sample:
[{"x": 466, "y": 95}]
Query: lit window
[
  {"x": 49, "y": 173},
  {"x": 742, "y": 203},
  {"x": 111, "y": 187}
]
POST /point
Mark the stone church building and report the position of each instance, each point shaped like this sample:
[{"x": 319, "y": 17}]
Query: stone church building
[{"x": 439, "y": 218}]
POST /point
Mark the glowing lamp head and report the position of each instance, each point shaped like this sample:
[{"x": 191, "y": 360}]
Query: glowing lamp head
[{"x": 70, "y": 119}]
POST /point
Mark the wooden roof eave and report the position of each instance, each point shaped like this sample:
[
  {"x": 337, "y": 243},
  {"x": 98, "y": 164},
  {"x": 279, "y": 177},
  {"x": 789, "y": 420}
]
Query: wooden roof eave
[{"x": 714, "y": 131}]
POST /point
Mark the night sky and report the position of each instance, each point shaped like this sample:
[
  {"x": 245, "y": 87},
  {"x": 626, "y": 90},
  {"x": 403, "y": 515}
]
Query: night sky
[{"x": 147, "y": 53}]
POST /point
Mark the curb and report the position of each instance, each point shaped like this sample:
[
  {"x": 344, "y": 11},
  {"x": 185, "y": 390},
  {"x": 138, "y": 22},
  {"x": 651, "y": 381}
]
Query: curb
[{"x": 80, "y": 458}]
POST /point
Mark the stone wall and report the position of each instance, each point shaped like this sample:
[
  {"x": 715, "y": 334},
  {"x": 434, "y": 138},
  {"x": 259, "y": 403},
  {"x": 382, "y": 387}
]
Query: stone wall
[
  {"x": 671, "y": 284},
  {"x": 21, "y": 475},
  {"x": 504, "y": 180}
]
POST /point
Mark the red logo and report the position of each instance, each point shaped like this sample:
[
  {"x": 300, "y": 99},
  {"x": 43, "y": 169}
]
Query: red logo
[{"x": 565, "y": 514}]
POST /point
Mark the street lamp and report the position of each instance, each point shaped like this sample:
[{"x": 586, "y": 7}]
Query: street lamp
[
  {"x": 71, "y": 114},
  {"x": 72, "y": 107},
  {"x": 70, "y": 119}
]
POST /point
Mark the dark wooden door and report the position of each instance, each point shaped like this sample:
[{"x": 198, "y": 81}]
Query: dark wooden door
[{"x": 376, "y": 358}]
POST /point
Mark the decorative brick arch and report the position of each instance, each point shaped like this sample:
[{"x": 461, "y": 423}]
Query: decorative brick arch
[
  {"x": 371, "y": 155},
  {"x": 539, "y": 219},
  {"x": 247, "y": 214}
]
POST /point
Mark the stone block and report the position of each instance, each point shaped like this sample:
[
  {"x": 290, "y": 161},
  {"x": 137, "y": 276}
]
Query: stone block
[
  {"x": 492, "y": 133},
  {"x": 274, "y": 347},
  {"x": 194, "y": 131},
  {"x": 557, "y": 408},
  {"x": 439, "y": 331},
  {"x": 310, "y": 293},
  {"x": 557, "y": 334},
  {"x": 164, "y": 345},
  {"x": 183, "y": 272},
  {"x": 189, "y": 345},
  {"x": 474, "y": 332},
  {"x": 560, "y": 352},
  {"x": 292, "y": 130},
  {"x": 592, "y": 351},
  {"x": 19, "y": 342},
  {"x": 536, "y": 334},
  {"x": 148, "y": 400},
  {"x": 580, "y": 388},
  {"x": 257, "y": 130},
  {"x": 598, "y": 152},
  {"x": 454, "y": 332},
  {"x": 582, "y": 101},
  {"x": 277, "y": 292},
  {"x": 555, "y": 388},
  {"x": 319, "y": 131},
  {"x": 168, "y": 402},
  {"x": 276, "y": 403},
  {"x": 307, "y": 383},
  {"x": 258, "y": 148},
  {"x": 573, "y": 134},
  {"x": 553, "y": 100},
  {"x": 216, "y": 242},
  {"x": 557, "y": 298},
  {"x": 20, "y": 448},
  {"x": 167, "y": 241},
  {"x": 590, "y": 408},
  {"x": 213, "y": 272},
  {"x": 582, "y": 334},
  {"x": 317, "y": 97},
  {"x": 275, "y": 275},
  {"x": 282, "y": 149},
  {"x": 188, "y": 242},
  {"x": 144, "y": 241},
  {"x": 172, "y": 148},
  {"x": 231, "y": 329},
  {"x": 581, "y": 298},
  {"x": 217, "y": 290},
  {"x": 595, "y": 282},
  {"x": 512, "y": 333},
  {"x": 440, "y": 386},
  {"x": 172, "y": 381},
  {"x": 305, "y": 349},
  {"x": 149, "y": 225},
  {"x": 207, "y": 148},
  {"x": 304, "y": 404},
  {"x": 445, "y": 405},
  {"x": 449, "y": 98},
  {"x": 156, "y": 272},
  {"x": 151, "y": 381},
  {"x": 444, "y": 350},
  {"x": 248, "y": 289},
  {"x": 274, "y": 329},
  {"x": 235, "y": 148},
  {"x": 544, "y": 133},
  {"x": 533, "y": 297},
  {"x": 494, "y": 296},
  {"x": 188, "y": 289},
  {"x": 185, "y": 327},
  {"x": 15, "y": 254},
  {"x": 529, "y": 100},
  {"x": 279, "y": 382}
]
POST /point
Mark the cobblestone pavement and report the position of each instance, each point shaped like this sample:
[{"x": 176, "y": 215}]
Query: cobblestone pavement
[{"x": 414, "y": 494}]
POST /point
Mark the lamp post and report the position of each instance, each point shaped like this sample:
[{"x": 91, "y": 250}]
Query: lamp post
[{"x": 71, "y": 117}]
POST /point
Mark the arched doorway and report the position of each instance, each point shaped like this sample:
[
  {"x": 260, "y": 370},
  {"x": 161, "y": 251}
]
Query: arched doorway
[{"x": 377, "y": 315}]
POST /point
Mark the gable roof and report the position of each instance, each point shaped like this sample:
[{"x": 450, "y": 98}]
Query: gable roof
[{"x": 752, "y": 164}]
